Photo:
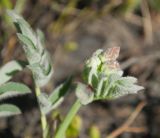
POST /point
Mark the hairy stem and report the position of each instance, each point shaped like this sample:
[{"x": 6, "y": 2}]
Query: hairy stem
[
  {"x": 43, "y": 117},
  {"x": 63, "y": 127}
]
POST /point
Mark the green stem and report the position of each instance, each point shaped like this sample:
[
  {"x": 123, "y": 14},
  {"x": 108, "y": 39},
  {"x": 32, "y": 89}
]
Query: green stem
[
  {"x": 63, "y": 127},
  {"x": 43, "y": 117}
]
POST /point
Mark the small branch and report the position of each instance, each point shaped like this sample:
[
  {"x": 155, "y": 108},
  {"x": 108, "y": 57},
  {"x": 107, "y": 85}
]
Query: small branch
[{"x": 126, "y": 126}]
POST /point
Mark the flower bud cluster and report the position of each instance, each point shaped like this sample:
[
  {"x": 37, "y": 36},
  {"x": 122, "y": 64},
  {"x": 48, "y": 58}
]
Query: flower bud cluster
[{"x": 103, "y": 78}]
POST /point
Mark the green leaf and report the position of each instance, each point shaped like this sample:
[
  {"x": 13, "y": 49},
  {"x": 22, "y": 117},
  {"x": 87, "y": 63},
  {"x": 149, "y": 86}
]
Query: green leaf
[
  {"x": 110, "y": 81},
  {"x": 26, "y": 30},
  {"x": 100, "y": 88},
  {"x": 124, "y": 86},
  {"x": 41, "y": 74},
  {"x": 32, "y": 55},
  {"x": 41, "y": 37},
  {"x": 22, "y": 26},
  {"x": 51, "y": 102},
  {"x": 57, "y": 96},
  {"x": 45, "y": 63},
  {"x": 127, "y": 80},
  {"x": 25, "y": 40},
  {"x": 8, "y": 110},
  {"x": 39, "y": 59},
  {"x": 84, "y": 93},
  {"x": 8, "y": 70},
  {"x": 11, "y": 89}
]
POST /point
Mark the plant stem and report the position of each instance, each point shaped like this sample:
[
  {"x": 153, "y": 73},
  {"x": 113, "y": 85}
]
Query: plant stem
[
  {"x": 43, "y": 117},
  {"x": 64, "y": 125}
]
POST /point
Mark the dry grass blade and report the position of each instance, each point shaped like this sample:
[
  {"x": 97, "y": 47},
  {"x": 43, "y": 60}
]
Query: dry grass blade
[{"x": 126, "y": 126}]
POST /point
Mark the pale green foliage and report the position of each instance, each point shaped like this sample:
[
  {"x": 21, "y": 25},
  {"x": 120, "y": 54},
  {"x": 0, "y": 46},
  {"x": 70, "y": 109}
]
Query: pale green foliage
[
  {"x": 33, "y": 42},
  {"x": 52, "y": 101},
  {"x": 8, "y": 110},
  {"x": 104, "y": 82},
  {"x": 8, "y": 70},
  {"x": 118, "y": 86},
  {"x": 11, "y": 89}
]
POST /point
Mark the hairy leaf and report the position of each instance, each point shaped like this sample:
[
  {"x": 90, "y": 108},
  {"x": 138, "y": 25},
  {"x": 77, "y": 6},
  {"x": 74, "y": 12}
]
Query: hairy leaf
[
  {"x": 8, "y": 110},
  {"x": 124, "y": 86},
  {"x": 51, "y": 102},
  {"x": 32, "y": 55},
  {"x": 40, "y": 40},
  {"x": 33, "y": 45},
  {"x": 22, "y": 26},
  {"x": 84, "y": 93},
  {"x": 8, "y": 70},
  {"x": 59, "y": 93},
  {"x": 41, "y": 72},
  {"x": 11, "y": 89}
]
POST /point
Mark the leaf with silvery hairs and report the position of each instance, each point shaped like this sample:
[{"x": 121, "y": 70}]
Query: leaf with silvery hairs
[
  {"x": 8, "y": 110},
  {"x": 9, "y": 69},
  {"x": 11, "y": 89},
  {"x": 33, "y": 45},
  {"x": 52, "y": 101}
]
